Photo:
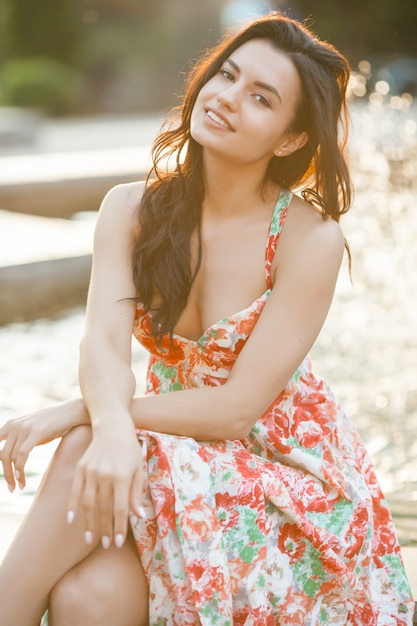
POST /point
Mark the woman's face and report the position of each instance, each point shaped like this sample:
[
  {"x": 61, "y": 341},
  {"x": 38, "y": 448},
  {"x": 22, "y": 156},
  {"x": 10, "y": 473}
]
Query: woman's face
[{"x": 244, "y": 111}]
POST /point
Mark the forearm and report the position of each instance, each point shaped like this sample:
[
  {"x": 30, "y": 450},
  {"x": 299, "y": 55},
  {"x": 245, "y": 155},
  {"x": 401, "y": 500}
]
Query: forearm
[
  {"x": 107, "y": 385},
  {"x": 205, "y": 413}
]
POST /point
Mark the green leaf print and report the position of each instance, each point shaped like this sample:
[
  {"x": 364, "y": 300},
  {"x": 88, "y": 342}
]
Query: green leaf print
[
  {"x": 167, "y": 376},
  {"x": 309, "y": 571},
  {"x": 396, "y": 568},
  {"x": 249, "y": 518},
  {"x": 334, "y": 520},
  {"x": 248, "y": 553},
  {"x": 245, "y": 538},
  {"x": 211, "y": 610}
]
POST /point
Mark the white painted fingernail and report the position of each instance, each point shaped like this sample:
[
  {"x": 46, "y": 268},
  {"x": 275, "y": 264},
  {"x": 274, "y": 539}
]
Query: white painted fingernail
[
  {"x": 70, "y": 517},
  {"x": 17, "y": 474},
  {"x": 88, "y": 536},
  {"x": 119, "y": 540},
  {"x": 142, "y": 512},
  {"x": 105, "y": 542},
  {"x": 10, "y": 487}
]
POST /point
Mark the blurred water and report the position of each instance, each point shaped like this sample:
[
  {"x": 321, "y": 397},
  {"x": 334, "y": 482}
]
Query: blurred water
[
  {"x": 38, "y": 367},
  {"x": 367, "y": 350}
]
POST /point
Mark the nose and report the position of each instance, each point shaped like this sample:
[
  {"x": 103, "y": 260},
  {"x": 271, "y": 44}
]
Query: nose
[{"x": 228, "y": 98}]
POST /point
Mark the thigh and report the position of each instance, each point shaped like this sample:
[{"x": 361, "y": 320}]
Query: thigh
[{"x": 108, "y": 587}]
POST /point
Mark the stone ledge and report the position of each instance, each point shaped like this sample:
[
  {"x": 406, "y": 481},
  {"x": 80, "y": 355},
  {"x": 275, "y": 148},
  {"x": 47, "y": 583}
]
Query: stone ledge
[
  {"x": 42, "y": 289},
  {"x": 59, "y": 199},
  {"x": 61, "y": 184}
]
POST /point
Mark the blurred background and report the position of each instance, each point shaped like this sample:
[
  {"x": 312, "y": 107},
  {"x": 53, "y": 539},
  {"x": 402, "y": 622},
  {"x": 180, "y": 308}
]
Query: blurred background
[
  {"x": 79, "y": 57},
  {"x": 84, "y": 86}
]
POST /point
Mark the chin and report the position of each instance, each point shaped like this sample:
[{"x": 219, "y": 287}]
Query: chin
[{"x": 202, "y": 137}]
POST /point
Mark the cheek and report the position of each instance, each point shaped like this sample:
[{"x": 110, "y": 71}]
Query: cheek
[
  {"x": 266, "y": 132},
  {"x": 199, "y": 102},
  {"x": 205, "y": 91}
]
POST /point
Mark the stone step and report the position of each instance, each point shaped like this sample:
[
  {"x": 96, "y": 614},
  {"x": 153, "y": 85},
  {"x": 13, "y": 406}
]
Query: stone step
[
  {"x": 61, "y": 184},
  {"x": 44, "y": 264}
]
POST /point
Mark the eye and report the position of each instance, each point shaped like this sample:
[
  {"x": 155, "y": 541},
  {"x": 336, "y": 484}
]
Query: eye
[
  {"x": 226, "y": 74},
  {"x": 262, "y": 100}
]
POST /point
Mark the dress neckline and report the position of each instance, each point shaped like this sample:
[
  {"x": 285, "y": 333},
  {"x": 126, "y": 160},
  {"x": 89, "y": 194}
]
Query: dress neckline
[{"x": 274, "y": 230}]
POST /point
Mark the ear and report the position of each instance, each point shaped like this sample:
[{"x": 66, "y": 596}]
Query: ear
[{"x": 291, "y": 144}]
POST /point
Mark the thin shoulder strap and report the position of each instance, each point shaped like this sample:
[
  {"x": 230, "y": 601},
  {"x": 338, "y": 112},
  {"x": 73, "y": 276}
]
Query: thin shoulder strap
[{"x": 275, "y": 228}]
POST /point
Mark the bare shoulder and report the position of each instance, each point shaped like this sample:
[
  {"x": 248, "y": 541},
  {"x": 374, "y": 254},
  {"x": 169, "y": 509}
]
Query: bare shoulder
[
  {"x": 118, "y": 210},
  {"x": 311, "y": 248},
  {"x": 306, "y": 230}
]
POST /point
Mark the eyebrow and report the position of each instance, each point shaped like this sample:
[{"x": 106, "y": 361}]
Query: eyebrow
[{"x": 259, "y": 83}]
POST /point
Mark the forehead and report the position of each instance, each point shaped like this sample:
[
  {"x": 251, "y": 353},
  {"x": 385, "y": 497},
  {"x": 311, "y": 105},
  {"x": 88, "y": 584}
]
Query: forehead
[{"x": 262, "y": 60}]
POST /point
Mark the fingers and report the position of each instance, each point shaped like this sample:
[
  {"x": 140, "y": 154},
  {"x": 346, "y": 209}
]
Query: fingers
[
  {"x": 6, "y": 459},
  {"x": 121, "y": 511},
  {"x": 105, "y": 509},
  {"x": 19, "y": 457},
  {"x": 75, "y": 493},
  {"x": 14, "y": 456},
  {"x": 19, "y": 442},
  {"x": 104, "y": 501},
  {"x": 135, "y": 496}
]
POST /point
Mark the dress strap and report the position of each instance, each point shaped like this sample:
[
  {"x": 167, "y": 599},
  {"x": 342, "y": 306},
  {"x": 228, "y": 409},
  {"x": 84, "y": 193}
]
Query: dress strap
[{"x": 275, "y": 228}]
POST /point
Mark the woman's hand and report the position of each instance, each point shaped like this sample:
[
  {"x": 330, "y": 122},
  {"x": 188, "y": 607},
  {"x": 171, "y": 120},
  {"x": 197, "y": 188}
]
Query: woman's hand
[
  {"x": 108, "y": 481},
  {"x": 21, "y": 435}
]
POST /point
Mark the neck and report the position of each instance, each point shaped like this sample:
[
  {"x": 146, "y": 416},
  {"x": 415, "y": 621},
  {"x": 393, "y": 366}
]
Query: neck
[{"x": 235, "y": 189}]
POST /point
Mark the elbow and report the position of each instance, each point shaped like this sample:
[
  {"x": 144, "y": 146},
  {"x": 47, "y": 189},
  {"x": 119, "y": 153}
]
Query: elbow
[
  {"x": 240, "y": 432},
  {"x": 85, "y": 349},
  {"x": 238, "y": 416},
  {"x": 82, "y": 346},
  {"x": 82, "y": 350},
  {"x": 244, "y": 425},
  {"x": 87, "y": 343},
  {"x": 238, "y": 428}
]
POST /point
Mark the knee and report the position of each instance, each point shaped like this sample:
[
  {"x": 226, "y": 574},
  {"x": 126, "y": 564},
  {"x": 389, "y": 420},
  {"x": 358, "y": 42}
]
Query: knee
[{"x": 79, "y": 601}]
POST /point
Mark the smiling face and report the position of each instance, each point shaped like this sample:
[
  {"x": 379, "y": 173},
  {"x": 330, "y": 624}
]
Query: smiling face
[{"x": 244, "y": 112}]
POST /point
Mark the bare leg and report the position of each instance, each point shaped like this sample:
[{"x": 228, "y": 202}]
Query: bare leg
[
  {"x": 46, "y": 547},
  {"x": 107, "y": 588}
]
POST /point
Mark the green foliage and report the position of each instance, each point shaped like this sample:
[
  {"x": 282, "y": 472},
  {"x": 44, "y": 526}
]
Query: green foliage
[
  {"x": 133, "y": 53},
  {"x": 47, "y": 28},
  {"x": 364, "y": 27},
  {"x": 4, "y": 28},
  {"x": 40, "y": 83}
]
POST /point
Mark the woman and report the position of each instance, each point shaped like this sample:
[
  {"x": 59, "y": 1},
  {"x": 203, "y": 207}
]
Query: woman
[{"x": 235, "y": 491}]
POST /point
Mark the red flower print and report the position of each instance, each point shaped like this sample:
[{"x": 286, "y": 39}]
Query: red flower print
[
  {"x": 291, "y": 542},
  {"x": 316, "y": 496},
  {"x": 359, "y": 530},
  {"x": 385, "y": 539},
  {"x": 248, "y": 532},
  {"x": 198, "y": 521},
  {"x": 309, "y": 433}
]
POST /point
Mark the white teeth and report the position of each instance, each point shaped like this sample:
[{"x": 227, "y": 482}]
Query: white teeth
[{"x": 217, "y": 119}]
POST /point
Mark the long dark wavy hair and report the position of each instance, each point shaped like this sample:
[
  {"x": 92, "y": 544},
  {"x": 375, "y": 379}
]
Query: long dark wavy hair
[{"x": 170, "y": 210}]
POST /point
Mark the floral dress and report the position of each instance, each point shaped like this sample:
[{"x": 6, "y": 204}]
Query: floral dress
[{"x": 285, "y": 527}]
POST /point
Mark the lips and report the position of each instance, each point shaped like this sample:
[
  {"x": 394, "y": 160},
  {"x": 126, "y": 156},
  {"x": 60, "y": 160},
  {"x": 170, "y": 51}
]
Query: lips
[{"x": 218, "y": 118}]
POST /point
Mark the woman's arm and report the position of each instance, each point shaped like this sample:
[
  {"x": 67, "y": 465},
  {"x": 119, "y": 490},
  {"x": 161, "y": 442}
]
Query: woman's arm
[
  {"x": 109, "y": 475},
  {"x": 308, "y": 258},
  {"x": 22, "y": 434},
  {"x": 291, "y": 320}
]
